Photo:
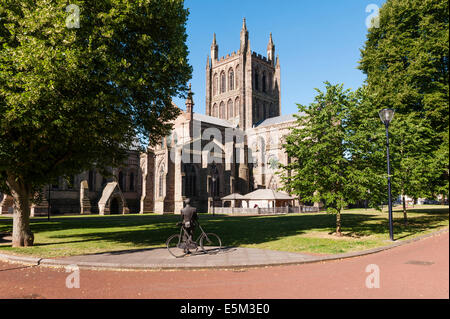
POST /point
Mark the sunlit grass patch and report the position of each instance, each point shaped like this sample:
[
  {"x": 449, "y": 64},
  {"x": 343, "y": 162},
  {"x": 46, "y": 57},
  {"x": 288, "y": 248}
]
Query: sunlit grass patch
[{"x": 308, "y": 233}]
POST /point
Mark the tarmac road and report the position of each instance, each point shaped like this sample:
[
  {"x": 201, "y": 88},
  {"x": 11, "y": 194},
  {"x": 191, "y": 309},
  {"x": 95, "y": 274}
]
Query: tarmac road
[{"x": 416, "y": 270}]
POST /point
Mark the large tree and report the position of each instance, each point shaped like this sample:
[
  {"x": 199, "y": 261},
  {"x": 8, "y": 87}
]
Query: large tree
[
  {"x": 322, "y": 168},
  {"x": 411, "y": 157},
  {"x": 409, "y": 142},
  {"x": 78, "y": 84},
  {"x": 365, "y": 144},
  {"x": 406, "y": 60}
]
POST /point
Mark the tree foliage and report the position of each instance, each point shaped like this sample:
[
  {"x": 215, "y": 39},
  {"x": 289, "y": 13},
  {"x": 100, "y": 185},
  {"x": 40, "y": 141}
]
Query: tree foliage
[
  {"x": 327, "y": 161},
  {"x": 71, "y": 97},
  {"x": 406, "y": 62}
]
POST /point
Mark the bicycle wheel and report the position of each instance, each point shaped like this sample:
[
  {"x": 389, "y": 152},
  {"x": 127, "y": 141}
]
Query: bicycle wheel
[
  {"x": 176, "y": 246},
  {"x": 210, "y": 243}
]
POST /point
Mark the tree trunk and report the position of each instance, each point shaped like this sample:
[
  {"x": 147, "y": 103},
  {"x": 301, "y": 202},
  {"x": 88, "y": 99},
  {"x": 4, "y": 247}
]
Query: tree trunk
[
  {"x": 405, "y": 217},
  {"x": 338, "y": 224},
  {"x": 21, "y": 193}
]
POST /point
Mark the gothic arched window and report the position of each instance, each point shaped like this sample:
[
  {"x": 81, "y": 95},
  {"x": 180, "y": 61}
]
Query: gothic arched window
[
  {"x": 256, "y": 110},
  {"x": 222, "y": 110},
  {"x": 237, "y": 107},
  {"x": 236, "y": 78},
  {"x": 215, "y": 84},
  {"x": 191, "y": 181},
  {"x": 230, "y": 109},
  {"x": 231, "y": 80},
  {"x": 161, "y": 182},
  {"x": 270, "y": 82},
  {"x": 223, "y": 83},
  {"x": 256, "y": 80},
  {"x": 215, "y": 111},
  {"x": 217, "y": 187},
  {"x": 121, "y": 181},
  {"x": 273, "y": 110},
  {"x": 264, "y": 79}
]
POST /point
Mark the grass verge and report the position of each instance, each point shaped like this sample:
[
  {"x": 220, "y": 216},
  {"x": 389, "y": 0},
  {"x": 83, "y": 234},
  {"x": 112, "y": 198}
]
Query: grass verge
[{"x": 307, "y": 233}]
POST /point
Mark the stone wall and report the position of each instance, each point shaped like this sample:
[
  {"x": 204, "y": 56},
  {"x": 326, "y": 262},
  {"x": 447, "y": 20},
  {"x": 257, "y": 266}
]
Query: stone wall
[{"x": 6, "y": 204}]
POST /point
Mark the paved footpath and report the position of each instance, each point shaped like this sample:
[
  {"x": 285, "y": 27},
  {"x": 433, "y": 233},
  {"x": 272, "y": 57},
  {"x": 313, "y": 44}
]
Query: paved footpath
[{"x": 419, "y": 269}]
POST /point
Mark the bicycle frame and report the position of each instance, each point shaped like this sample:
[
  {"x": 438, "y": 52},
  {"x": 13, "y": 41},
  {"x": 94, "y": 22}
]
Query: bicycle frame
[
  {"x": 183, "y": 234},
  {"x": 189, "y": 241}
]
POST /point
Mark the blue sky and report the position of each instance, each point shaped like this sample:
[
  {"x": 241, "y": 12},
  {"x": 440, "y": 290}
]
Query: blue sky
[{"x": 316, "y": 41}]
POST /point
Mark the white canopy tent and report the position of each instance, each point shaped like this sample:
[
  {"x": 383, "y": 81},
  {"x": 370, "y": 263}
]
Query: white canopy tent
[
  {"x": 235, "y": 199},
  {"x": 267, "y": 198}
]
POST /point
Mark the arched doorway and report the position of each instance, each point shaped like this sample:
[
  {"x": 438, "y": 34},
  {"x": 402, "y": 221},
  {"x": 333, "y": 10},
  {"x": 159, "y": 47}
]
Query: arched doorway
[{"x": 114, "y": 206}]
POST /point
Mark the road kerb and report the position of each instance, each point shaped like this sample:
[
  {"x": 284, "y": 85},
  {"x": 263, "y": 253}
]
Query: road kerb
[{"x": 124, "y": 266}]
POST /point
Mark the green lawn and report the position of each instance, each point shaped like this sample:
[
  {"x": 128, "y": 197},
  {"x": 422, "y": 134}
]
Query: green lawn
[{"x": 310, "y": 233}]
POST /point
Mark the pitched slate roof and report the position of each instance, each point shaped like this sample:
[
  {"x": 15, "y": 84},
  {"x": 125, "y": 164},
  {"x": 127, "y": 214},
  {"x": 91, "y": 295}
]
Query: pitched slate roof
[
  {"x": 212, "y": 120},
  {"x": 278, "y": 120}
]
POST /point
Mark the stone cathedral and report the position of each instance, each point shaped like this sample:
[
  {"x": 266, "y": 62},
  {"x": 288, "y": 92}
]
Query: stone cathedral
[{"x": 235, "y": 147}]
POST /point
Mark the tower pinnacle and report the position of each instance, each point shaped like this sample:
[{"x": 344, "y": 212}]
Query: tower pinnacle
[
  {"x": 189, "y": 100},
  {"x": 271, "y": 50},
  {"x": 214, "y": 49},
  {"x": 244, "y": 37}
]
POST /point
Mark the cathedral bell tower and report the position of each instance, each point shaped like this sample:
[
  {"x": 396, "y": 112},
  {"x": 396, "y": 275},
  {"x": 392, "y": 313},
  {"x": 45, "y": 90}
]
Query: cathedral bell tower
[{"x": 243, "y": 87}]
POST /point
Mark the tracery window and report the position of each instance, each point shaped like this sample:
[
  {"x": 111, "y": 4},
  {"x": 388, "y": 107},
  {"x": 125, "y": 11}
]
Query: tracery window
[
  {"x": 236, "y": 78},
  {"x": 161, "y": 182},
  {"x": 215, "y": 84},
  {"x": 256, "y": 80},
  {"x": 231, "y": 80},
  {"x": 264, "y": 79},
  {"x": 121, "y": 181},
  {"x": 223, "y": 83},
  {"x": 191, "y": 181},
  {"x": 270, "y": 82},
  {"x": 222, "y": 110},
  {"x": 230, "y": 109}
]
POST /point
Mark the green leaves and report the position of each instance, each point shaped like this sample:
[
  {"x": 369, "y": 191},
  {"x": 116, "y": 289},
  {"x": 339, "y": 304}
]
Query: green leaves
[
  {"x": 406, "y": 62},
  {"x": 320, "y": 169},
  {"x": 74, "y": 97}
]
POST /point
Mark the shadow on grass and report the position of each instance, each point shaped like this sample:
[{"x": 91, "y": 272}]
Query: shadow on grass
[{"x": 150, "y": 231}]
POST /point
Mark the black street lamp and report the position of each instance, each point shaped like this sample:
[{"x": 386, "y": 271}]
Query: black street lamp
[{"x": 386, "y": 116}]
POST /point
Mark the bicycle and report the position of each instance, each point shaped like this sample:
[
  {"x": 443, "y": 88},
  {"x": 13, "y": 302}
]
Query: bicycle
[{"x": 209, "y": 243}]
